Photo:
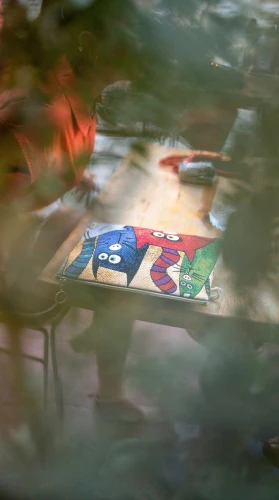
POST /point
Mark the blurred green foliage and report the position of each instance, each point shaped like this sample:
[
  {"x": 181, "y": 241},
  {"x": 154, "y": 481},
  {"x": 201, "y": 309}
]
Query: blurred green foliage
[{"x": 166, "y": 52}]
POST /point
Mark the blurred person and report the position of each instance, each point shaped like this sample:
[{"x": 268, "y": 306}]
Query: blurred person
[
  {"x": 39, "y": 163},
  {"x": 111, "y": 349},
  {"x": 47, "y": 133}
]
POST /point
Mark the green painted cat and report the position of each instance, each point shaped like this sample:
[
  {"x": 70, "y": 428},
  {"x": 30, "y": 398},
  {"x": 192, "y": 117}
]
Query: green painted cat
[{"x": 194, "y": 275}]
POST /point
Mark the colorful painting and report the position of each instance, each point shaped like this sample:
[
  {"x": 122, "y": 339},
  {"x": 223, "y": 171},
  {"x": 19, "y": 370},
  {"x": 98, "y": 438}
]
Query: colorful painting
[{"x": 156, "y": 261}]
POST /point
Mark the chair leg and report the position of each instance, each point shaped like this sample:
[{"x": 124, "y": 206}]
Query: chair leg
[
  {"x": 45, "y": 333},
  {"x": 56, "y": 377}
]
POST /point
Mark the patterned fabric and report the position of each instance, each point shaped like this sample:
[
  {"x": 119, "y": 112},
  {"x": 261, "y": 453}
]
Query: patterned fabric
[{"x": 145, "y": 259}]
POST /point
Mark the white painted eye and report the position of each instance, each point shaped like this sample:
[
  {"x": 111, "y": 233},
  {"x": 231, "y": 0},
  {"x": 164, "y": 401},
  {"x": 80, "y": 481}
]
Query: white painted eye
[
  {"x": 114, "y": 259},
  {"x": 187, "y": 277},
  {"x": 190, "y": 287},
  {"x": 116, "y": 246},
  {"x": 103, "y": 256},
  {"x": 183, "y": 283},
  {"x": 173, "y": 237},
  {"x": 158, "y": 234}
]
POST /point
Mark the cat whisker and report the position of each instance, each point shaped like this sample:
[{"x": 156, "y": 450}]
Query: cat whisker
[{"x": 184, "y": 269}]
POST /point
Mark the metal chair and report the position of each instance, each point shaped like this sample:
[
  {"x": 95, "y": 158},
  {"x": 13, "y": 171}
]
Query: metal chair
[{"x": 45, "y": 323}]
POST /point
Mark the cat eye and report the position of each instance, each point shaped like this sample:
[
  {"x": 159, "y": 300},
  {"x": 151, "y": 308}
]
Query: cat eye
[
  {"x": 158, "y": 235},
  {"x": 173, "y": 237},
  {"x": 114, "y": 259},
  {"x": 183, "y": 283},
  {"x": 187, "y": 277},
  {"x": 103, "y": 256},
  {"x": 116, "y": 246},
  {"x": 190, "y": 287}
]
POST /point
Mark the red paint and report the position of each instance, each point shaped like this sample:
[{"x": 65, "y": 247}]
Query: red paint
[{"x": 187, "y": 244}]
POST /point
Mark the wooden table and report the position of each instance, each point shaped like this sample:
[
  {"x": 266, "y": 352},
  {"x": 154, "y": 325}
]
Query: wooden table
[{"x": 143, "y": 194}]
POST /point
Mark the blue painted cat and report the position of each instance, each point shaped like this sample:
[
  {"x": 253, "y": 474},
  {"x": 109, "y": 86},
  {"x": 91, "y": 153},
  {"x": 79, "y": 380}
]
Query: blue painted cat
[
  {"x": 116, "y": 250},
  {"x": 81, "y": 261}
]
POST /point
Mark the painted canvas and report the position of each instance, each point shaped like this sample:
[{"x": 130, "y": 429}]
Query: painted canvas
[{"x": 145, "y": 259}]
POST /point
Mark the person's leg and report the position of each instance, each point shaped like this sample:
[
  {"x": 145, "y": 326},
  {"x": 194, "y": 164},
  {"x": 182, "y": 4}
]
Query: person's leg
[
  {"x": 109, "y": 337},
  {"x": 112, "y": 341}
]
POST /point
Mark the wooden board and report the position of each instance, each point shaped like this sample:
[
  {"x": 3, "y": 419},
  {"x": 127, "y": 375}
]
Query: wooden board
[{"x": 142, "y": 193}]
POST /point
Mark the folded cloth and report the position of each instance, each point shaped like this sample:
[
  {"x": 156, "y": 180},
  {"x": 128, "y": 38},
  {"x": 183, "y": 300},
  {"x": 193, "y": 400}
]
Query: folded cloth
[
  {"x": 221, "y": 209},
  {"x": 193, "y": 169},
  {"x": 240, "y": 142},
  {"x": 200, "y": 172},
  {"x": 220, "y": 214},
  {"x": 199, "y": 166}
]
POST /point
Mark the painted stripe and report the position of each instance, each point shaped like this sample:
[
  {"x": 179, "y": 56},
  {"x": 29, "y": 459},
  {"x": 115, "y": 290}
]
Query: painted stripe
[
  {"x": 163, "y": 281},
  {"x": 169, "y": 287},
  {"x": 170, "y": 250},
  {"x": 168, "y": 261},
  {"x": 77, "y": 264},
  {"x": 158, "y": 269},
  {"x": 160, "y": 262}
]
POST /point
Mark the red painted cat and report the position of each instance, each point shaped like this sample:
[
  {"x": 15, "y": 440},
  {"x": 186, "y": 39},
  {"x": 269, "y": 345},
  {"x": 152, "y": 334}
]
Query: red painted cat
[
  {"x": 174, "y": 241},
  {"x": 171, "y": 244}
]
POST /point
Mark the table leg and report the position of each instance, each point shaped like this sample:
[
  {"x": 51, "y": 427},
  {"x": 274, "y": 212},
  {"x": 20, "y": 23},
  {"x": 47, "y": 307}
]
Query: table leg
[
  {"x": 56, "y": 377},
  {"x": 45, "y": 360}
]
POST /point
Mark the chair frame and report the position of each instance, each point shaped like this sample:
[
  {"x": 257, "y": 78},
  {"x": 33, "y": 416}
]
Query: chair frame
[{"x": 45, "y": 323}]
